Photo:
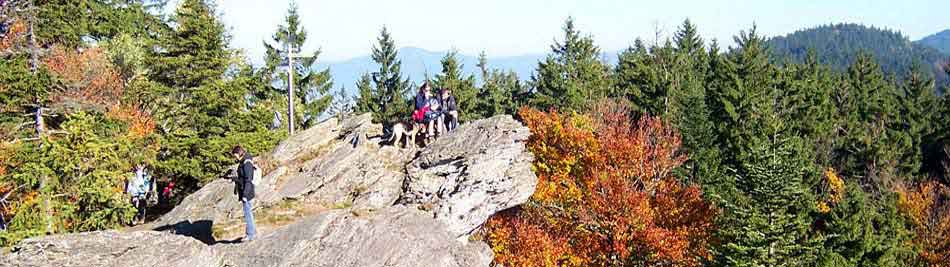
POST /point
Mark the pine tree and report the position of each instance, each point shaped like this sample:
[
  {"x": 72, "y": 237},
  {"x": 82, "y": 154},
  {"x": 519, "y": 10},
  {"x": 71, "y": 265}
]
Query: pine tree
[
  {"x": 806, "y": 103},
  {"x": 463, "y": 87},
  {"x": 311, "y": 87},
  {"x": 918, "y": 107},
  {"x": 766, "y": 224},
  {"x": 767, "y": 204},
  {"x": 742, "y": 96},
  {"x": 572, "y": 76},
  {"x": 688, "y": 41},
  {"x": 863, "y": 231},
  {"x": 499, "y": 90},
  {"x": 390, "y": 88},
  {"x": 366, "y": 101},
  {"x": 208, "y": 110},
  {"x": 342, "y": 104},
  {"x": 196, "y": 52},
  {"x": 638, "y": 79},
  {"x": 689, "y": 111},
  {"x": 869, "y": 145}
]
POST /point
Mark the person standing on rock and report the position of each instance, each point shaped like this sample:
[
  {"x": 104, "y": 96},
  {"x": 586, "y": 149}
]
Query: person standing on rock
[{"x": 244, "y": 188}]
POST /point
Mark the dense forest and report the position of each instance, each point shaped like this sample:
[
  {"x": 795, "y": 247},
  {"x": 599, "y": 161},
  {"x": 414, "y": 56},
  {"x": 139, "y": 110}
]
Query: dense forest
[
  {"x": 839, "y": 45},
  {"x": 682, "y": 154}
]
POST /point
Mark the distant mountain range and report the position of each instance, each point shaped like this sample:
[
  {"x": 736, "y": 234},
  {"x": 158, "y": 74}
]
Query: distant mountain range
[
  {"x": 835, "y": 44},
  {"x": 418, "y": 62},
  {"x": 839, "y": 44},
  {"x": 939, "y": 41}
]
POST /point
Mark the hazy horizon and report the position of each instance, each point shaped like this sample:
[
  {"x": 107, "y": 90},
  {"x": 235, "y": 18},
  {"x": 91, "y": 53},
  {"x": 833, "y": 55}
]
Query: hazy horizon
[{"x": 348, "y": 29}]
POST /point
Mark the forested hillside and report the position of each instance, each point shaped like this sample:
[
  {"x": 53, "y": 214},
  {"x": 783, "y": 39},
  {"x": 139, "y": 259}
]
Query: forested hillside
[
  {"x": 681, "y": 154},
  {"x": 840, "y": 45},
  {"x": 939, "y": 41}
]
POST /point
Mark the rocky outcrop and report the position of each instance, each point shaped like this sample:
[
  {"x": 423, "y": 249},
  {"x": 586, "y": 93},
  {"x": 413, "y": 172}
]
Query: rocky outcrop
[
  {"x": 111, "y": 248},
  {"x": 395, "y": 236},
  {"x": 465, "y": 177},
  {"x": 379, "y": 205},
  {"x": 331, "y": 164}
]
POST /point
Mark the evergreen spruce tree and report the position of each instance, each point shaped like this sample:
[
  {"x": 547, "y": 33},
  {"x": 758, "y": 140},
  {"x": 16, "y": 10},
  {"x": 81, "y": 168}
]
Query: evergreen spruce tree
[
  {"x": 311, "y": 87},
  {"x": 767, "y": 204},
  {"x": 767, "y": 223},
  {"x": 572, "y": 76},
  {"x": 688, "y": 41},
  {"x": 499, "y": 90},
  {"x": 742, "y": 96},
  {"x": 389, "y": 88},
  {"x": 342, "y": 104},
  {"x": 366, "y": 100},
  {"x": 196, "y": 52},
  {"x": 209, "y": 112},
  {"x": 870, "y": 144},
  {"x": 638, "y": 79},
  {"x": 689, "y": 111},
  {"x": 861, "y": 230},
  {"x": 918, "y": 107},
  {"x": 463, "y": 87},
  {"x": 806, "y": 103}
]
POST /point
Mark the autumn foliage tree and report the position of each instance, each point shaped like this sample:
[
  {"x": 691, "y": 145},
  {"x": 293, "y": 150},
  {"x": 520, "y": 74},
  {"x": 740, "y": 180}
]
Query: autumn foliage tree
[
  {"x": 927, "y": 207},
  {"x": 606, "y": 196}
]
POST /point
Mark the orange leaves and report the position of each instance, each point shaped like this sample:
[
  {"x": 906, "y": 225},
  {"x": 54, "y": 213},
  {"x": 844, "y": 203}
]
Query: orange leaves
[
  {"x": 13, "y": 36},
  {"x": 605, "y": 196},
  {"x": 89, "y": 77},
  {"x": 140, "y": 123},
  {"x": 928, "y": 208},
  {"x": 520, "y": 243}
]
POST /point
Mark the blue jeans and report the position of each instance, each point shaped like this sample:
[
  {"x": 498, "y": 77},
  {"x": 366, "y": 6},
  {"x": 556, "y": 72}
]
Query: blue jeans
[{"x": 249, "y": 220}]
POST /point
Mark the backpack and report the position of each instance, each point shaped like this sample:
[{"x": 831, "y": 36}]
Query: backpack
[
  {"x": 420, "y": 115},
  {"x": 258, "y": 173}
]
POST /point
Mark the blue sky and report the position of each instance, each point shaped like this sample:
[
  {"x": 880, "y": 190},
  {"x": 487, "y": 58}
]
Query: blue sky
[{"x": 348, "y": 28}]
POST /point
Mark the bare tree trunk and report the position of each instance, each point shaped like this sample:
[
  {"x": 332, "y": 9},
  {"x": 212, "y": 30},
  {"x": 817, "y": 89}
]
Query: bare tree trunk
[
  {"x": 33, "y": 56},
  {"x": 39, "y": 125}
]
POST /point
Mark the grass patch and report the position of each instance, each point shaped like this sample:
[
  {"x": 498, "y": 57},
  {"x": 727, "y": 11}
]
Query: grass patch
[
  {"x": 342, "y": 205},
  {"x": 311, "y": 154}
]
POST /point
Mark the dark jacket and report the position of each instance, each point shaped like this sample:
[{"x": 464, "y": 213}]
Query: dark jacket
[
  {"x": 448, "y": 104},
  {"x": 244, "y": 184},
  {"x": 420, "y": 101}
]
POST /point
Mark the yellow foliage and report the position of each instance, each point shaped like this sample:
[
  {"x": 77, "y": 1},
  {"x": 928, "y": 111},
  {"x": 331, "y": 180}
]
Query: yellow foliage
[{"x": 835, "y": 188}]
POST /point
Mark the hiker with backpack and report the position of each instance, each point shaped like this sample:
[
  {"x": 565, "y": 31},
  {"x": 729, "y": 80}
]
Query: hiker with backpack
[
  {"x": 140, "y": 188},
  {"x": 247, "y": 172}
]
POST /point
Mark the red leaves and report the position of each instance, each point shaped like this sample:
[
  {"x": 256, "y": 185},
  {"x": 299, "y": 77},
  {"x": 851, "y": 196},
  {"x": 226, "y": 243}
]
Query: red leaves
[
  {"x": 606, "y": 196},
  {"x": 89, "y": 77}
]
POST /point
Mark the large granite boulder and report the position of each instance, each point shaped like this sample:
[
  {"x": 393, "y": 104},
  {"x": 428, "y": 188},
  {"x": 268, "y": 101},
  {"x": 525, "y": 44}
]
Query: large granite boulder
[
  {"x": 332, "y": 163},
  {"x": 471, "y": 173},
  {"x": 395, "y": 236}
]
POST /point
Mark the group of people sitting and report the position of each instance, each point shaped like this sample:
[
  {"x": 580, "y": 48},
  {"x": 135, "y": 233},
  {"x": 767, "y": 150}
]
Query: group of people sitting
[{"x": 436, "y": 114}]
